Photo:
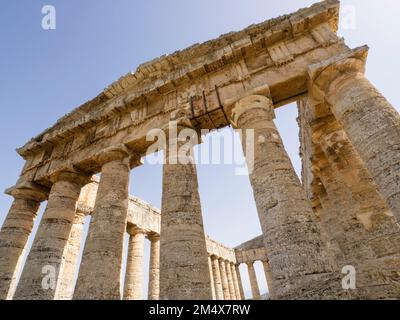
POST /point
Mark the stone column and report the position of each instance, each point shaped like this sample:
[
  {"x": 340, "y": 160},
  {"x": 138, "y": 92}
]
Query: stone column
[
  {"x": 15, "y": 232},
  {"x": 255, "y": 290},
  {"x": 224, "y": 279},
  {"x": 368, "y": 237},
  {"x": 369, "y": 120},
  {"x": 229, "y": 276},
  {"x": 133, "y": 289},
  {"x": 154, "y": 274},
  {"x": 212, "y": 278},
  {"x": 240, "y": 283},
  {"x": 235, "y": 282},
  {"x": 296, "y": 254},
  {"x": 372, "y": 211},
  {"x": 184, "y": 272},
  {"x": 40, "y": 274},
  {"x": 217, "y": 278},
  {"x": 345, "y": 230},
  {"x": 99, "y": 274},
  {"x": 268, "y": 277},
  {"x": 69, "y": 265}
]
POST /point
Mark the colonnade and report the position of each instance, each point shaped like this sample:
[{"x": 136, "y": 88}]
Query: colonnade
[{"x": 354, "y": 163}]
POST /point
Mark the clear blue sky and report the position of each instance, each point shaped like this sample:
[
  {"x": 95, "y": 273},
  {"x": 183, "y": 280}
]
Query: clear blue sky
[{"x": 45, "y": 74}]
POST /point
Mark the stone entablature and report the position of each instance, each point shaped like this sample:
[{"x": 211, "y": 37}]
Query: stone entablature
[
  {"x": 271, "y": 57},
  {"x": 219, "y": 250},
  {"x": 251, "y": 251}
]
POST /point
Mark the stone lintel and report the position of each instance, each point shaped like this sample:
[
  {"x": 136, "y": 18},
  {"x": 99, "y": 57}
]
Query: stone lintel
[{"x": 189, "y": 63}]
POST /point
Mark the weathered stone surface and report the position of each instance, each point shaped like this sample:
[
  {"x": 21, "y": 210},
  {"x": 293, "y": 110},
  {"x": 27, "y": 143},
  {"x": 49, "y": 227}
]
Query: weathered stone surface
[
  {"x": 275, "y": 52},
  {"x": 229, "y": 276},
  {"x": 154, "y": 274},
  {"x": 214, "y": 297},
  {"x": 106, "y": 232},
  {"x": 69, "y": 266},
  {"x": 133, "y": 289},
  {"x": 255, "y": 290},
  {"x": 219, "y": 294},
  {"x": 15, "y": 232},
  {"x": 360, "y": 223},
  {"x": 224, "y": 279},
  {"x": 236, "y": 285},
  {"x": 268, "y": 277},
  {"x": 295, "y": 252},
  {"x": 369, "y": 120},
  {"x": 51, "y": 239},
  {"x": 240, "y": 283},
  {"x": 184, "y": 270}
]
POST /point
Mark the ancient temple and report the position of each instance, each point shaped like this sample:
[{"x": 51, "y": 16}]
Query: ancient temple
[{"x": 343, "y": 211}]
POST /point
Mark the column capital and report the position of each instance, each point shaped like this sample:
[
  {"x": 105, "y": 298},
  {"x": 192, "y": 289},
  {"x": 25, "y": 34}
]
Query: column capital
[
  {"x": 213, "y": 257},
  {"x": 119, "y": 152},
  {"x": 153, "y": 237},
  {"x": 259, "y": 105},
  {"x": 323, "y": 75},
  {"x": 134, "y": 230},
  {"x": 28, "y": 190},
  {"x": 72, "y": 175}
]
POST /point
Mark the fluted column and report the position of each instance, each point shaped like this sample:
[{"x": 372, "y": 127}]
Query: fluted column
[
  {"x": 297, "y": 258},
  {"x": 133, "y": 289},
  {"x": 184, "y": 272},
  {"x": 42, "y": 268},
  {"x": 371, "y": 123},
  {"x": 235, "y": 282},
  {"x": 219, "y": 294},
  {"x": 66, "y": 279},
  {"x": 154, "y": 274},
  {"x": 268, "y": 277},
  {"x": 224, "y": 279},
  {"x": 212, "y": 278},
  {"x": 240, "y": 283},
  {"x": 99, "y": 274},
  {"x": 15, "y": 232},
  {"x": 255, "y": 290},
  {"x": 229, "y": 276}
]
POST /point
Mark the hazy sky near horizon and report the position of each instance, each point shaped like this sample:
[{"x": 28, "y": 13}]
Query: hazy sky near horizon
[{"x": 45, "y": 74}]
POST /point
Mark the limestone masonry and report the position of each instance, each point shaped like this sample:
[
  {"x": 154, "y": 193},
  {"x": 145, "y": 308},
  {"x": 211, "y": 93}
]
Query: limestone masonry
[{"x": 344, "y": 211}]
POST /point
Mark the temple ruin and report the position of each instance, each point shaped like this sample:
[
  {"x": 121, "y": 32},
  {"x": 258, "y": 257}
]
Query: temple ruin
[{"x": 344, "y": 211}]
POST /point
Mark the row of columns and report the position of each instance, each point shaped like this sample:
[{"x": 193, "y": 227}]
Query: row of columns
[
  {"x": 226, "y": 282},
  {"x": 299, "y": 261},
  {"x": 51, "y": 263}
]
